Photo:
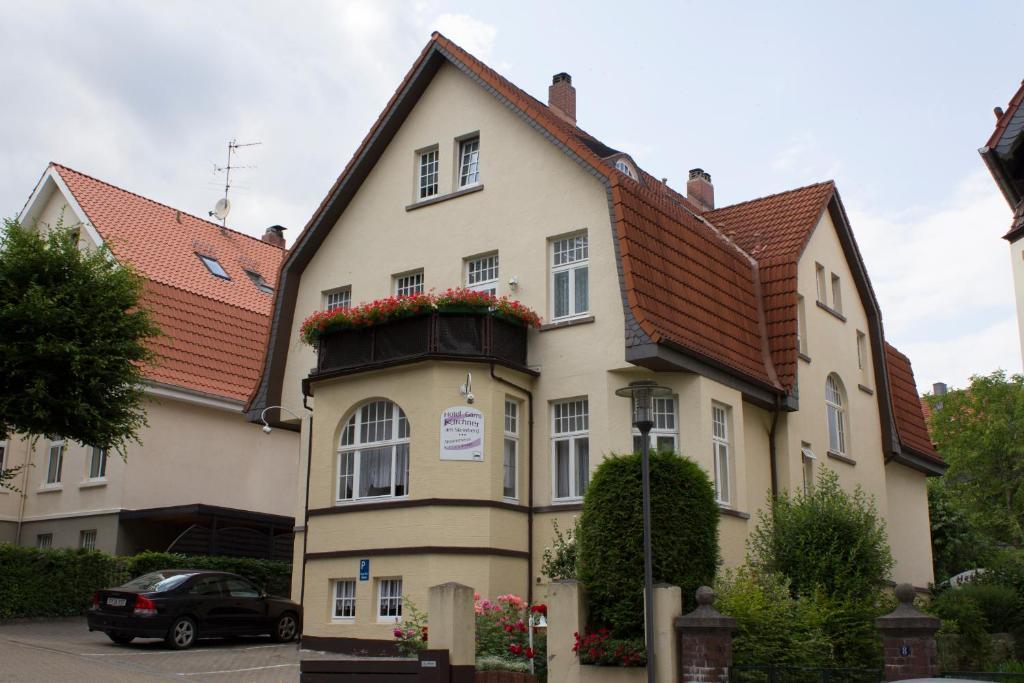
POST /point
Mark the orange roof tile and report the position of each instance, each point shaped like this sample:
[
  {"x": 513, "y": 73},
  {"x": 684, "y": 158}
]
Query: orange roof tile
[
  {"x": 213, "y": 330},
  {"x": 906, "y": 405}
]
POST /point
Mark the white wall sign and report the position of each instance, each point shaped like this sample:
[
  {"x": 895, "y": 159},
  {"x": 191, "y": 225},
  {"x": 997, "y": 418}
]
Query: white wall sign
[{"x": 462, "y": 434}]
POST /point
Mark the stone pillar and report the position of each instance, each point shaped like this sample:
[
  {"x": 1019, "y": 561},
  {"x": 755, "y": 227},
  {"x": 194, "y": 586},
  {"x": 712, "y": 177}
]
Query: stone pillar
[
  {"x": 705, "y": 642},
  {"x": 567, "y": 615},
  {"x": 451, "y": 623},
  {"x": 668, "y": 606},
  {"x": 908, "y": 637}
]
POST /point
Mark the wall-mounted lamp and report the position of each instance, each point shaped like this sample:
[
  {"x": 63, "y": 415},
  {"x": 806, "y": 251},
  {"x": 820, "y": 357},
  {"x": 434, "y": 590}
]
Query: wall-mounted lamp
[
  {"x": 513, "y": 283},
  {"x": 263, "y": 416},
  {"x": 467, "y": 389}
]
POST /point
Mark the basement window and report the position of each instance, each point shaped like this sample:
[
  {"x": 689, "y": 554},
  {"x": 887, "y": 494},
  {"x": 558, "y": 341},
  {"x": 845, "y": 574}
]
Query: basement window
[
  {"x": 260, "y": 283},
  {"x": 214, "y": 266}
]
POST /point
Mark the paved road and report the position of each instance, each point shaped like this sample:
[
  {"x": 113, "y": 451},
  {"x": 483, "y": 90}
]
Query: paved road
[{"x": 64, "y": 650}]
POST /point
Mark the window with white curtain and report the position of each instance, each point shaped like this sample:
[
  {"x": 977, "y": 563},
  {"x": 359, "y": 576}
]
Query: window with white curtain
[
  {"x": 836, "y": 415},
  {"x": 482, "y": 274},
  {"x": 511, "y": 448},
  {"x": 389, "y": 604},
  {"x": 98, "y": 463},
  {"x": 720, "y": 453},
  {"x": 338, "y": 298},
  {"x": 87, "y": 539},
  {"x": 373, "y": 457},
  {"x": 407, "y": 285},
  {"x": 571, "y": 446},
  {"x": 664, "y": 432},
  {"x": 570, "y": 287},
  {"x": 345, "y": 599}
]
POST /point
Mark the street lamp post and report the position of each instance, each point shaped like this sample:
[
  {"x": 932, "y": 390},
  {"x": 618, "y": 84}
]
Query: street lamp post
[{"x": 643, "y": 393}]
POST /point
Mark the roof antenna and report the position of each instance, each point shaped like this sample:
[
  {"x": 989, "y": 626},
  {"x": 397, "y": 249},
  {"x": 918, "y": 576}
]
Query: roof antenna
[{"x": 223, "y": 205}]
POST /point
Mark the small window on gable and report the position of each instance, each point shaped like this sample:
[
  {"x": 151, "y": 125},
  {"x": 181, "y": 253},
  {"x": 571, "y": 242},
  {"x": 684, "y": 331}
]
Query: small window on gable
[
  {"x": 837, "y": 294},
  {"x": 469, "y": 162},
  {"x": 260, "y": 283},
  {"x": 214, "y": 266},
  {"x": 819, "y": 281},
  {"x": 625, "y": 167}
]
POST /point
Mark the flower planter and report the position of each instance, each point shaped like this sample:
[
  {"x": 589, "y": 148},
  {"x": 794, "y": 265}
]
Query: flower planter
[{"x": 504, "y": 677}]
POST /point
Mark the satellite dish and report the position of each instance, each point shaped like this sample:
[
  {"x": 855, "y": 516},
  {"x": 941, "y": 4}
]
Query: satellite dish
[{"x": 221, "y": 209}]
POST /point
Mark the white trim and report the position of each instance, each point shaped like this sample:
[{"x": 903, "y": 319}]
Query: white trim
[
  {"x": 92, "y": 483},
  {"x": 63, "y": 515},
  {"x": 191, "y": 396},
  {"x": 52, "y": 174},
  {"x": 50, "y": 488}
]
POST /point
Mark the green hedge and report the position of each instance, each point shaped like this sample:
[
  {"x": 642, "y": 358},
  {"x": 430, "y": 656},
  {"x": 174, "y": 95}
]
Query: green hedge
[
  {"x": 684, "y": 537},
  {"x": 60, "y": 582}
]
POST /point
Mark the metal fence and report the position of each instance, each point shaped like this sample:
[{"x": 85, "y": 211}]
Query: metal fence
[{"x": 779, "y": 673}]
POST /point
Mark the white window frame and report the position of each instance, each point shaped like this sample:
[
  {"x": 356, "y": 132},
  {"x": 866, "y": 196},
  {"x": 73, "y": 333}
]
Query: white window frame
[
  {"x": 348, "y": 587},
  {"x": 55, "y": 474},
  {"x": 571, "y": 259},
  {"x": 666, "y": 424},
  {"x": 469, "y": 161},
  {"x": 625, "y": 167},
  {"x": 102, "y": 454},
  {"x": 3, "y": 455},
  {"x": 87, "y": 539},
  {"x": 721, "y": 453},
  {"x": 819, "y": 283},
  {"x": 482, "y": 273},
  {"x": 351, "y": 444},
  {"x": 835, "y": 416},
  {"x": 338, "y": 298},
  {"x": 390, "y": 603},
  {"x": 510, "y": 452},
  {"x": 428, "y": 168},
  {"x": 837, "y": 294},
  {"x": 573, "y": 430},
  {"x": 407, "y": 284},
  {"x": 801, "y": 326},
  {"x": 863, "y": 359},
  {"x": 44, "y": 541},
  {"x": 807, "y": 459}
]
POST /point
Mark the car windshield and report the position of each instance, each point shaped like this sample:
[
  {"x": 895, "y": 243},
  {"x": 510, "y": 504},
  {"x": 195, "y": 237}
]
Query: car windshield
[{"x": 158, "y": 582}]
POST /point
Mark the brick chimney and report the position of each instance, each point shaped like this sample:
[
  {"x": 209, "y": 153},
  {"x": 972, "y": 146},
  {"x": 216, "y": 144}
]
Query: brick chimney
[
  {"x": 274, "y": 235},
  {"x": 562, "y": 97},
  {"x": 699, "y": 189}
]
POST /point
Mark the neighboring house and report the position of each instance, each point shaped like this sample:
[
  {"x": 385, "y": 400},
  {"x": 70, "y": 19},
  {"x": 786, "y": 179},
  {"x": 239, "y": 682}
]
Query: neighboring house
[
  {"x": 204, "y": 479},
  {"x": 760, "y": 317},
  {"x": 1004, "y": 156}
]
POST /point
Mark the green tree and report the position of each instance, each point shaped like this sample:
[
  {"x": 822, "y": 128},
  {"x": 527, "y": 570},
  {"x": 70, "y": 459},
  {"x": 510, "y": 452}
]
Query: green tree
[
  {"x": 980, "y": 432},
  {"x": 957, "y": 545},
  {"x": 72, "y": 340}
]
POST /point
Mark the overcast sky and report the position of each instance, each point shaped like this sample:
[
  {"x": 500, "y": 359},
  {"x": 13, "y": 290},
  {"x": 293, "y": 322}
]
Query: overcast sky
[{"x": 892, "y": 100}]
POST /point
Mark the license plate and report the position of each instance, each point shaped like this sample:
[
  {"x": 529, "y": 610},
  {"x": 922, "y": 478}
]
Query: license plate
[{"x": 117, "y": 602}]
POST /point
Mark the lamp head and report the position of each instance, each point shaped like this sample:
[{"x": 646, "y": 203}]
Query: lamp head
[{"x": 642, "y": 394}]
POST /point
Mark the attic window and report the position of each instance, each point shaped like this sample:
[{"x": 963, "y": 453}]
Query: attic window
[
  {"x": 260, "y": 283},
  {"x": 624, "y": 166},
  {"x": 214, "y": 266}
]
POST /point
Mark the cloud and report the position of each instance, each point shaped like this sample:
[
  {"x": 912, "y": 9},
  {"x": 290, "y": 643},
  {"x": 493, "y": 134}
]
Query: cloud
[
  {"x": 942, "y": 276},
  {"x": 471, "y": 34}
]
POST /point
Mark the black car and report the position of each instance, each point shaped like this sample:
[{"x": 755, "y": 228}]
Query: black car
[{"x": 181, "y": 605}]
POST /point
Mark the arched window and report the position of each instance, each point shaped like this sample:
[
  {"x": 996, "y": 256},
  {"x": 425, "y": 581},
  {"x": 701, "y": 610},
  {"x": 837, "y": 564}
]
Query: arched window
[
  {"x": 836, "y": 415},
  {"x": 373, "y": 456},
  {"x": 626, "y": 167}
]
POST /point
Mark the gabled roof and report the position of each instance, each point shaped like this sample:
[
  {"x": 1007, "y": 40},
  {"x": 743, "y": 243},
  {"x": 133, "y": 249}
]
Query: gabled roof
[
  {"x": 720, "y": 286},
  {"x": 214, "y": 330},
  {"x": 1002, "y": 152},
  {"x": 910, "y": 420}
]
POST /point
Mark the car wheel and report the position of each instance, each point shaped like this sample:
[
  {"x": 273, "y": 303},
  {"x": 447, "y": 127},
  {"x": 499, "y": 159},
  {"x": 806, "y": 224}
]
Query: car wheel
[
  {"x": 182, "y": 634},
  {"x": 120, "y": 638},
  {"x": 286, "y": 628}
]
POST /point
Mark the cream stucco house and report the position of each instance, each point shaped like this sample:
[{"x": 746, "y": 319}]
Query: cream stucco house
[
  {"x": 204, "y": 479},
  {"x": 759, "y": 316}
]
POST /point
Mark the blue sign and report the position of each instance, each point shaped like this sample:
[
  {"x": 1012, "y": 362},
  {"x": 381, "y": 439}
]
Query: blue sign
[{"x": 364, "y": 570}]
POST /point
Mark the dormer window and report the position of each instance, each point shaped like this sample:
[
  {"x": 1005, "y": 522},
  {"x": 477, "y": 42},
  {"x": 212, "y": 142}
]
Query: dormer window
[
  {"x": 260, "y": 283},
  {"x": 625, "y": 167},
  {"x": 214, "y": 266}
]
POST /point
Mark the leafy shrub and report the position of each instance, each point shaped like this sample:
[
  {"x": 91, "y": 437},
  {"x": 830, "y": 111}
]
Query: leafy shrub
[
  {"x": 502, "y": 630},
  {"x": 824, "y": 539},
  {"x": 601, "y": 649},
  {"x": 560, "y": 559},
  {"x": 411, "y": 635},
  {"x": 684, "y": 536},
  {"x": 60, "y": 582},
  {"x": 495, "y": 663},
  {"x": 971, "y": 646}
]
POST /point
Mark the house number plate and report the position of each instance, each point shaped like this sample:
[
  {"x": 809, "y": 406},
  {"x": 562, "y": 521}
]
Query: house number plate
[
  {"x": 904, "y": 650},
  {"x": 116, "y": 602}
]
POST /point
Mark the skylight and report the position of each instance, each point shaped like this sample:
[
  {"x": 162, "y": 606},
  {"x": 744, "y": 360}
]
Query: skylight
[
  {"x": 625, "y": 167},
  {"x": 214, "y": 266},
  {"x": 260, "y": 283}
]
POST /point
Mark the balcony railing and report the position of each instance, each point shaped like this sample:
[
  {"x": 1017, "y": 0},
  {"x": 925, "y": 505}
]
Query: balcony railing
[{"x": 471, "y": 336}]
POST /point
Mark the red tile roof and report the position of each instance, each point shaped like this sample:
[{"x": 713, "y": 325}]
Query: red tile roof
[
  {"x": 214, "y": 330},
  {"x": 906, "y": 405}
]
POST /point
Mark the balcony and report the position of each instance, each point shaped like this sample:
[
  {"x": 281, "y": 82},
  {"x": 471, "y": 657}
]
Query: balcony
[{"x": 475, "y": 336}]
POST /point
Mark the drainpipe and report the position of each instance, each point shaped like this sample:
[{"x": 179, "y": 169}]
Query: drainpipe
[
  {"x": 305, "y": 521},
  {"x": 771, "y": 447},
  {"x": 24, "y": 488},
  {"x": 529, "y": 495}
]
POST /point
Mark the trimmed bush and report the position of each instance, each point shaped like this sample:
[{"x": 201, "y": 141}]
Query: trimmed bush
[
  {"x": 59, "y": 582},
  {"x": 684, "y": 536}
]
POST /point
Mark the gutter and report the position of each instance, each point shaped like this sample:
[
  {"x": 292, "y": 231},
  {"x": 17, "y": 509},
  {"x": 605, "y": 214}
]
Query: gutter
[
  {"x": 529, "y": 495},
  {"x": 24, "y": 488}
]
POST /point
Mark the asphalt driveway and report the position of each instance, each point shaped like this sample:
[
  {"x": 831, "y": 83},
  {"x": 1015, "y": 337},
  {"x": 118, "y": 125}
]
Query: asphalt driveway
[{"x": 65, "y": 650}]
